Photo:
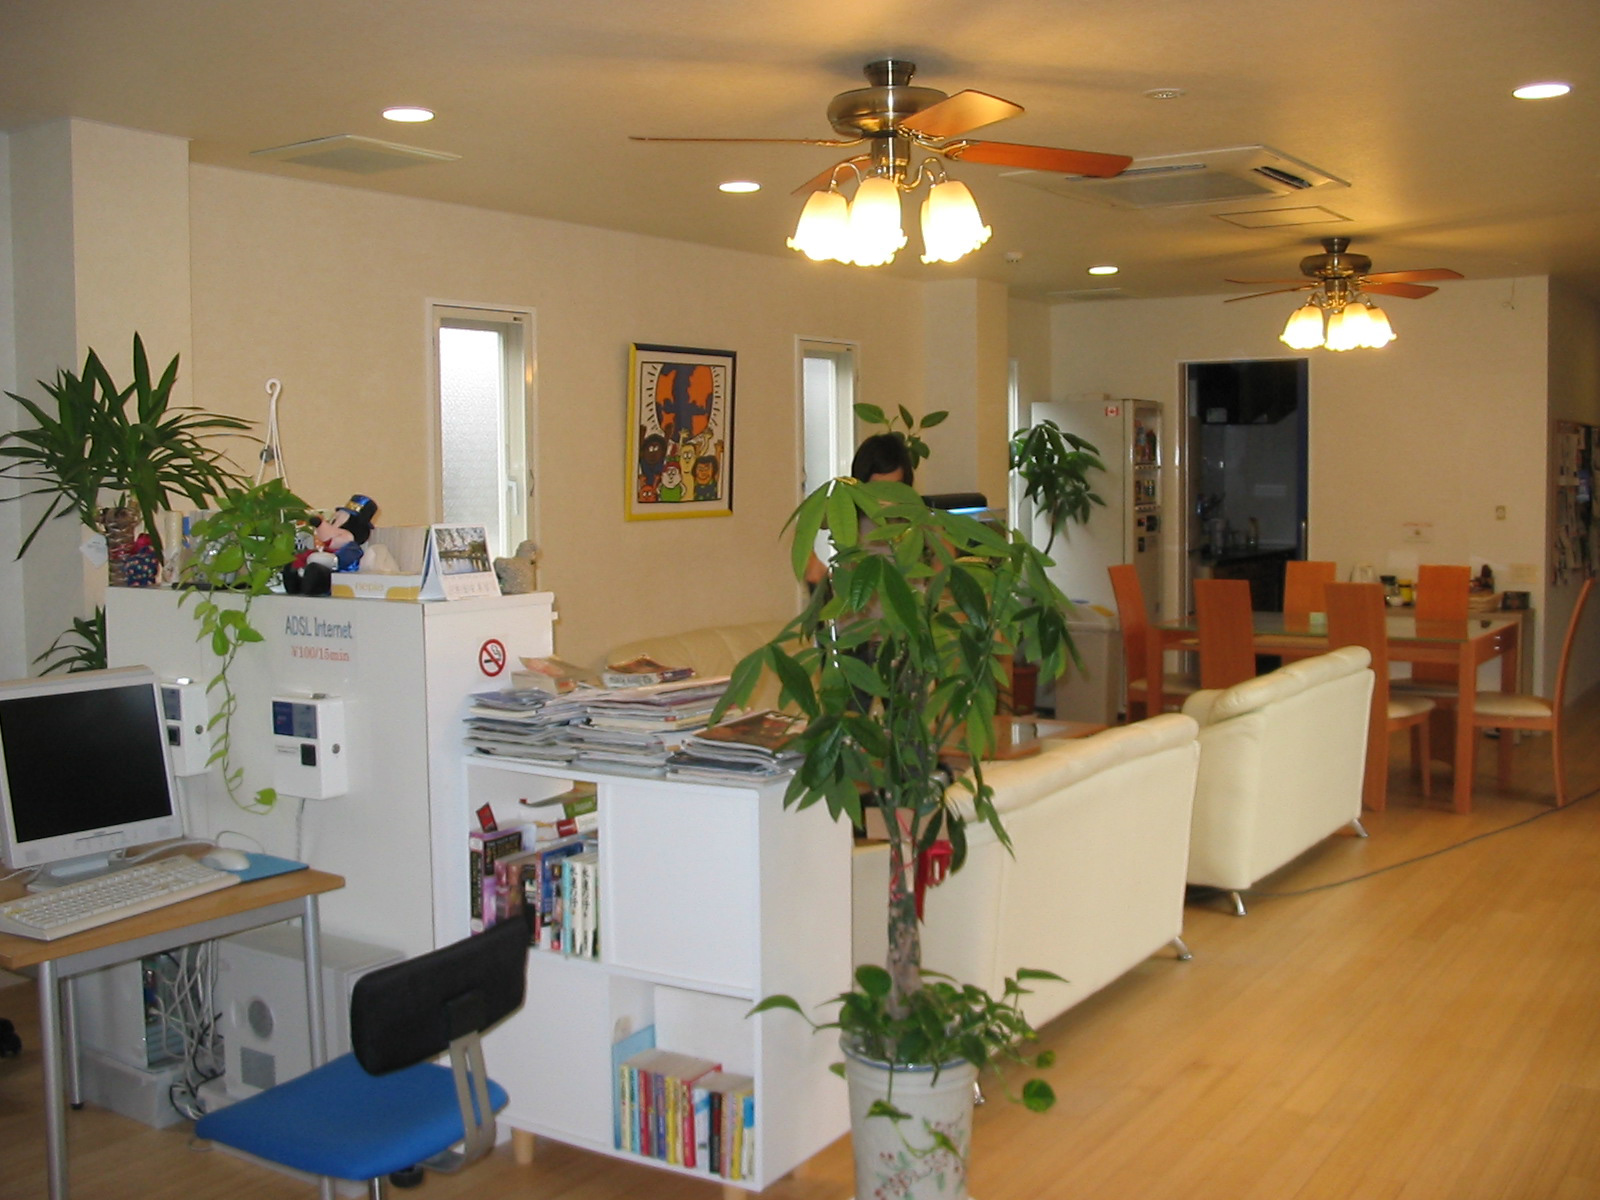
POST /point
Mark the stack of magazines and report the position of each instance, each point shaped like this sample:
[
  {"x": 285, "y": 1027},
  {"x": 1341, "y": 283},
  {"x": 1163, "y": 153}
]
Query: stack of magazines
[
  {"x": 755, "y": 746},
  {"x": 635, "y": 730},
  {"x": 525, "y": 723}
]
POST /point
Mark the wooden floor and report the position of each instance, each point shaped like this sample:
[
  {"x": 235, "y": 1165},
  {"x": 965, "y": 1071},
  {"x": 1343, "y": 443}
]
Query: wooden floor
[{"x": 1421, "y": 1033}]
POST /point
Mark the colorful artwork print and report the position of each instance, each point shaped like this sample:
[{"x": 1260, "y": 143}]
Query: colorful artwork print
[{"x": 680, "y": 435}]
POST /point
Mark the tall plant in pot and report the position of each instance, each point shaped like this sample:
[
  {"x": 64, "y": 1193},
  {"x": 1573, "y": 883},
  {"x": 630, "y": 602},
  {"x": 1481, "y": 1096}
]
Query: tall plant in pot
[{"x": 895, "y": 663}]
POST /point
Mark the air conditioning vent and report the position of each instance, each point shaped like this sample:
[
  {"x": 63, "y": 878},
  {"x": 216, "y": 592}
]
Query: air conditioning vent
[
  {"x": 1205, "y": 177},
  {"x": 355, "y": 154}
]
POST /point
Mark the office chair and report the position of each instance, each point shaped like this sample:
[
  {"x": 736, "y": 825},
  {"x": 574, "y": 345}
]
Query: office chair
[{"x": 385, "y": 1108}]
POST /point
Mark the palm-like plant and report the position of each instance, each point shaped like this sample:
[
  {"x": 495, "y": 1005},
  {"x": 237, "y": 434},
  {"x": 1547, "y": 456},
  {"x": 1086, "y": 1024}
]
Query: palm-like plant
[
  {"x": 1055, "y": 466},
  {"x": 898, "y": 661},
  {"x": 127, "y": 442}
]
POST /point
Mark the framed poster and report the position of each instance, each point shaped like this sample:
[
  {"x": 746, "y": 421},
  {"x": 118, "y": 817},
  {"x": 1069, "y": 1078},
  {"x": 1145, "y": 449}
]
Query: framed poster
[{"x": 680, "y": 432}]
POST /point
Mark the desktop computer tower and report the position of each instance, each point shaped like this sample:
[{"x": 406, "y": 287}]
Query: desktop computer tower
[{"x": 261, "y": 999}]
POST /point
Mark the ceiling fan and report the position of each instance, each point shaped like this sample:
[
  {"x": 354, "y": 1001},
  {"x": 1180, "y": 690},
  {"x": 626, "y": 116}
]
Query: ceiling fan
[
  {"x": 890, "y": 117},
  {"x": 1341, "y": 285}
]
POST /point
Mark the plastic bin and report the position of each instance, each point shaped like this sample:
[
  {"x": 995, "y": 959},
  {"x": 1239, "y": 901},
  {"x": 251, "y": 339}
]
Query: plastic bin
[{"x": 1095, "y": 693}]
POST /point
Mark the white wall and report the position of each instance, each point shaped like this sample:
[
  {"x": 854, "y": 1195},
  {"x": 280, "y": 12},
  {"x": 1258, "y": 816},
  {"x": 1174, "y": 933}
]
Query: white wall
[
  {"x": 325, "y": 287},
  {"x": 1440, "y": 427}
]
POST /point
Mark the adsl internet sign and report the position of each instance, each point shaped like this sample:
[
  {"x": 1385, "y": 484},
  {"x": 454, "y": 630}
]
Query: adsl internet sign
[{"x": 318, "y": 639}]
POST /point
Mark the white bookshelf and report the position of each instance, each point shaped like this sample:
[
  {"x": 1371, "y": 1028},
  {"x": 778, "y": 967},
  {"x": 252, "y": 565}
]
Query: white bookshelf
[{"x": 711, "y": 897}]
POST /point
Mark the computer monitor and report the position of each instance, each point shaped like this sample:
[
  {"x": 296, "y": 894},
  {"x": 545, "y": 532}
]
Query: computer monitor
[{"x": 84, "y": 771}]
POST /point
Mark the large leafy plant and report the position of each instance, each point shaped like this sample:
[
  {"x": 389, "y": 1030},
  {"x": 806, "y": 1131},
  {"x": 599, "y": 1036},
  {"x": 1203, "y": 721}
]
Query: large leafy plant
[
  {"x": 898, "y": 661},
  {"x": 1054, "y": 466},
  {"x": 96, "y": 444},
  {"x": 908, "y": 427}
]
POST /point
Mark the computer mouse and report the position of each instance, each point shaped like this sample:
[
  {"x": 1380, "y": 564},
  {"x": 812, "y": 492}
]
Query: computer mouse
[{"x": 224, "y": 859}]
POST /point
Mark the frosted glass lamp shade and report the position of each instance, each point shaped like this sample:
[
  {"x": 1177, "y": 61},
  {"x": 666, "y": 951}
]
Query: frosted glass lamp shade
[
  {"x": 875, "y": 235},
  {"x": 951, "y": 225},
  {"x": 1379, "y": 332},
  {"x": 1304, "y": 328},
  {"x": 824, "y": 224},
  {"x": 1347, "y": 328}
]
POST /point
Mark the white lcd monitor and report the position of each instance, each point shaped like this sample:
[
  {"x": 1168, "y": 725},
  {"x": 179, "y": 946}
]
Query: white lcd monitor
[{"x": 85, "y": 771}]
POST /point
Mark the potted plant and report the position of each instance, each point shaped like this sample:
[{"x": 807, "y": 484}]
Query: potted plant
[
  {"x": 1055, "y": 467},
  {"x": 238, "y": 553},
  {"x": 896, "y": 664}
]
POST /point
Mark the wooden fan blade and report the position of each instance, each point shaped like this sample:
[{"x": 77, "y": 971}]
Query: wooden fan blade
[
  {"x": 1304, "y": 287},
  {"x": 1411, "y": 291},
  {"x": 954, "y": 115},
  {"x": 751, "y": 141},
  {"x": 1259, "y": 282},
  {"x": 820, "y": 180},
  {"x": 1414, "y": 276},
  {"x": 1039, "y": 158}
]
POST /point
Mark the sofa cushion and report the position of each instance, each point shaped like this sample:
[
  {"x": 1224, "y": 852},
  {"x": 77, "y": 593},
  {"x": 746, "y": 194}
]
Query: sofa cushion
[{"x": 1020, "y": 782}]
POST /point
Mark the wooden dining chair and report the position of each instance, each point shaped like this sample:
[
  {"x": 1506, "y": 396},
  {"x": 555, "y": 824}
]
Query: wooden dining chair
[
  {"x": 1441, "y": 595},
  {"x": 1508, "y": 711},
  {"x": 1303, "y": 580},
  {"x": 1134, "y": 618},
  {"x": 1356, "y": 618},
  {"x": 1227, "y": 634}
]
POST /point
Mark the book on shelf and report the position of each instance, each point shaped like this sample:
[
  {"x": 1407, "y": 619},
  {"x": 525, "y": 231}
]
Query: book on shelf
[
  {"x": 582, "y": 797},
  {"x": 724, "y": 1124},
  {"x": 640, "y": 671},
  {"x": 483, "y": 849},
  {"x": 542, "y": 891},
  {"x": 554, "y": 675},
  {"x": 623, "y": 1121},
  {"x": 770, "y": 731},
  {"x": 656, "y": 1088}
]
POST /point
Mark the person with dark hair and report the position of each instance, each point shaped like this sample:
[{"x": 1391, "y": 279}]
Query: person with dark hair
[{"x": 881, "y": 458}]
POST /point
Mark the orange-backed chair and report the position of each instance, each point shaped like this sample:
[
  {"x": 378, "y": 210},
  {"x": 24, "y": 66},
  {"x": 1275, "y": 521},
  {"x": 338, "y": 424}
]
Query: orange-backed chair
[
  {"x": 1356, "y": 618},
  {"x": 1303, "y": 581},
  {"x": 1441, "y": 595},
  {"x": 1135, "y": 621},
  {"x": 1511, "y": 710},
  {"x": 1227, "y": 634}
]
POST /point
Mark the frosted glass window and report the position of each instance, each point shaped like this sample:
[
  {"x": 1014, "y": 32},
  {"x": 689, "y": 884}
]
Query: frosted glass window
[
  {"x": 827, "y": 405},
  {"x": 484, "y": 383}
]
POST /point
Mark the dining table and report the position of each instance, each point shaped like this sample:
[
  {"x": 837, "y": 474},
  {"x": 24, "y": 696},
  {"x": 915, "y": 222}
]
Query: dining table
[{"x": 1464, "y": 644}]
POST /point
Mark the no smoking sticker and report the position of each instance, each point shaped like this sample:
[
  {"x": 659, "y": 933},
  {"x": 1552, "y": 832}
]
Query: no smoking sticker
[{"x": 492, "y": 657}]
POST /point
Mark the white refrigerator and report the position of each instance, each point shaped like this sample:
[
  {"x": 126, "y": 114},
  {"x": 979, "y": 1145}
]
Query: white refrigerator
[{"x": 1129, "y": 529}]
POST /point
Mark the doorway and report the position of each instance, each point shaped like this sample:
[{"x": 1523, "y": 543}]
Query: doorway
[{"x": 1246, "y": 434}]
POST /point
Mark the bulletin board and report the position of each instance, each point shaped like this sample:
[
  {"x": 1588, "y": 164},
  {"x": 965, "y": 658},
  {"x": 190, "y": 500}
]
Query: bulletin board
[{"x": 1576, "y": 547}]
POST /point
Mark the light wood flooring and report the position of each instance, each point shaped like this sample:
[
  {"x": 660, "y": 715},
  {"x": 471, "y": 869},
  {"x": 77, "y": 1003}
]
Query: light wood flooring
[{"x": 1421, "y": 1033}]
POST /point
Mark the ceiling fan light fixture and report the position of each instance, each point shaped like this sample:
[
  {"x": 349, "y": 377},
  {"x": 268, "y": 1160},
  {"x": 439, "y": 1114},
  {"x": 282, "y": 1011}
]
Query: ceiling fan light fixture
[
  {"x": 874, "y": 235},
  {"x": 1347, "y": 327},
  {"x": 823, "y": 230},
  {"x": 952, "y": 227},
  {"x": 1379, "y": 332},
  {"x": 1304, "y": 328}
]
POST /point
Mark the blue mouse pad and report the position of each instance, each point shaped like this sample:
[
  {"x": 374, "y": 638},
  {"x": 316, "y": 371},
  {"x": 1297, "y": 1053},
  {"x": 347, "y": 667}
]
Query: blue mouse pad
[{"x": 264, "y": 866}]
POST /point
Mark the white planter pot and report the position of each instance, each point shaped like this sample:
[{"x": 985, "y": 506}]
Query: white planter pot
[{"x": 900, "y": 1160}]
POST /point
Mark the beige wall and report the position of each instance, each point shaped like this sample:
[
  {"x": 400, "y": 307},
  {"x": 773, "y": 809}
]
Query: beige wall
[
  {"x": 1440, "y": 427},
  {"x": 326, "y": 287}
]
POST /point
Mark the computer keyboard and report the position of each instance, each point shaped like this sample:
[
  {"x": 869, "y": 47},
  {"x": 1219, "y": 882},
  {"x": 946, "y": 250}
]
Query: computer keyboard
[{"x": 111, "y": 897}]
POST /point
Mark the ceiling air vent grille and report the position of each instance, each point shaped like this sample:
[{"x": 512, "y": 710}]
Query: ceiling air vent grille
[
  {"x": 1205, "y": 177},
  {"x": 354, "y": 154}
]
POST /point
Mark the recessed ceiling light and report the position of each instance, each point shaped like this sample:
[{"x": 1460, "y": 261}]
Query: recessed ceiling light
[
  {"x": 408, "y": 114},
  {"x": 1164, "y": 93},
  {"x": 1103, "y": 269},
  {"x": 739, "y": 185},
  {"x": 1541, "y": 91}
]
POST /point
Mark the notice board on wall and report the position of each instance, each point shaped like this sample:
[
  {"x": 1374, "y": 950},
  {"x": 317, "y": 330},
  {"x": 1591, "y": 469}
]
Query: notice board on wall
[{"x": 1576, "y": 545}]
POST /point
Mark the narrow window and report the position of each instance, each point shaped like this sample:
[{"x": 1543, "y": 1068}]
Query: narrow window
[
  {"x": 485, "y": 391},
  {"x": 828, "y": 424}
]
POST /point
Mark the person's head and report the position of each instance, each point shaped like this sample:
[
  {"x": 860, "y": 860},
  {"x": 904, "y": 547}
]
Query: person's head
[{"x": 883, "y": 456}]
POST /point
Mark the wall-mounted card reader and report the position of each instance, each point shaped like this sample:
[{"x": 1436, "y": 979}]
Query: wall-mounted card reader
[
  {"x": 184, "y": 709},
  {"x": 309, "y": 757}
]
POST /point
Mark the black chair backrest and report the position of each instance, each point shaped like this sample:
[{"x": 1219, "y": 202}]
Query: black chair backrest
[{"x": 410, "y": 1012}]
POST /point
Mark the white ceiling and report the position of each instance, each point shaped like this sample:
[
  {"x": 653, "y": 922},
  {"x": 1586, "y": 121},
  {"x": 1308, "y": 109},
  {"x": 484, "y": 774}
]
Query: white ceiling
[{"x": 1408, "y": 100}]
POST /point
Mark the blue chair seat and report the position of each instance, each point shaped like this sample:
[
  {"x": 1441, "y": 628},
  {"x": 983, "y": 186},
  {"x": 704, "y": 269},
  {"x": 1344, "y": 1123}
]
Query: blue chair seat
[{"x": 323, "y": 1121}]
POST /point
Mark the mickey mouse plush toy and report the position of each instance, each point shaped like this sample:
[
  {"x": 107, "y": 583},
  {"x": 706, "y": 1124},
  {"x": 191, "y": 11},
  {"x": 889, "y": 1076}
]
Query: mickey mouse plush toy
[{"x": 337, "y": 545}]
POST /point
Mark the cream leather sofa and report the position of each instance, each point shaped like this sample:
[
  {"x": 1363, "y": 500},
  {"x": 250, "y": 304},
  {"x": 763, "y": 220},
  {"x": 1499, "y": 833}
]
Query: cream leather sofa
[
  {"x": 1101, "y": 831},
  {"x": 1281, "y": 763}
]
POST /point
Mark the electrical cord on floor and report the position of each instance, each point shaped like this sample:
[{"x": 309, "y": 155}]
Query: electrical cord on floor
[{"x": 1251, "y": 893}]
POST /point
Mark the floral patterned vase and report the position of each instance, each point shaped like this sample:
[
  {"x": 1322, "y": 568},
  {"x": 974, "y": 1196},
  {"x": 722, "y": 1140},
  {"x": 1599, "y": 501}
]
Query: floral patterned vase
[{"x": 904, "y": 1160}]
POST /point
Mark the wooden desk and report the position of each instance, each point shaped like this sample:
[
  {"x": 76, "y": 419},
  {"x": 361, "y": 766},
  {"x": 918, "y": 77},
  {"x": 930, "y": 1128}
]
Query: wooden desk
[
  {"x": 216, "y": 914},
  {"x": 1464, "y": 644}
]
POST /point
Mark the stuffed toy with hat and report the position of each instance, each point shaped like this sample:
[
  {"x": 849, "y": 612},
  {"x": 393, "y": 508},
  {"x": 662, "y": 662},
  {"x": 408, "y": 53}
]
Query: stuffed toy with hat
[{"x": 337, "y": 545}]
